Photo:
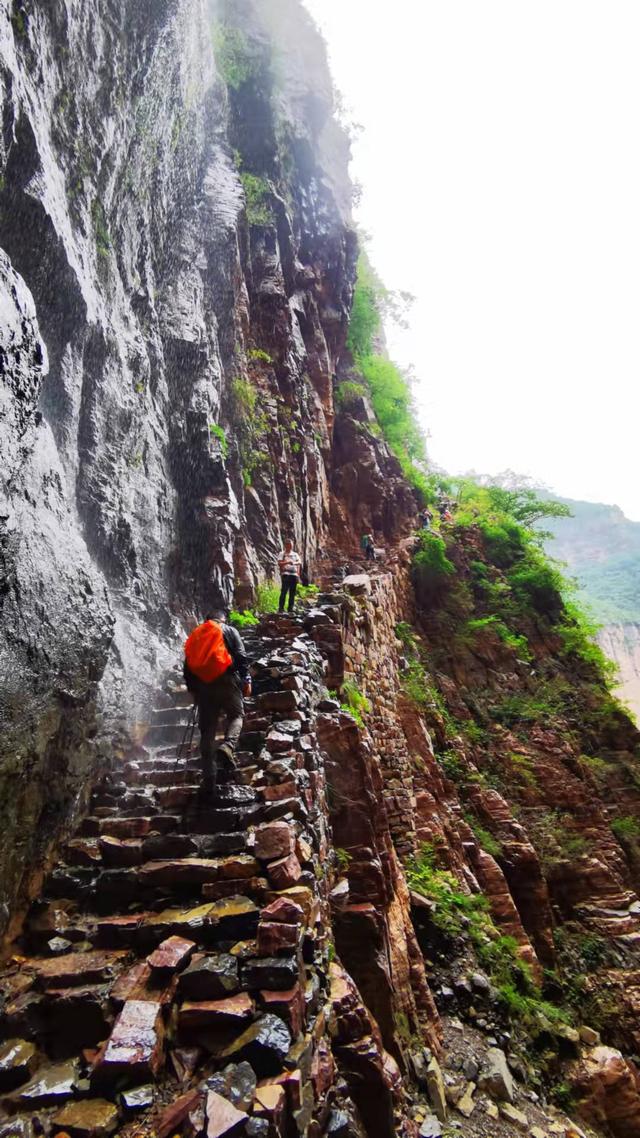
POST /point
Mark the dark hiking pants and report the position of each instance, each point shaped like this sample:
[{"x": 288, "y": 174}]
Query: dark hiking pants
[
  {"x": 289, "y": 586},
  {"x": 222, "y": 698}
]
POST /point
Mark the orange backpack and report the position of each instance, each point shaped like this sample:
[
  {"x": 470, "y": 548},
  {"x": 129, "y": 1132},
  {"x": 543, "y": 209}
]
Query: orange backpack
[{"x": 206, "y": 652}]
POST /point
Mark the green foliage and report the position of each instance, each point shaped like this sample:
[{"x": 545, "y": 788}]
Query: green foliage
[
  {"x": 519, "y": 644},
  {"x": 343, "y": 858},
  {"x": 406, "y": 635},
  {"x": 389, "y": 389},
  {"x": 522, "y": 766},
  {"x": 504, "y": 541},
  {"x": 525, "y": 506},
  {"x": 307, "y": 592},
  {"x": 452, "y": 766},
  {"x": 393, "y": 405},
  {"x": 484, "y": 837},
  {"x": 246, "y": 619},
  {"x": 219, "y": 433},
  {"x": 348, "y": 393},
  {"x": 365, "y": 321},
  {"x": 19, "y": 24},
  {"x": 101, "y": 231},
  {"x": 563, "y": 1096},
  {"x": 544, "y": 701},
  {"x": 453, "y": 907},
  {"x": 555, "y": 838},
  {"x": 602, "y": 548},
  {"x": 259, "y": 354},
  {"x": 251, "y": 427},
  {"x": 257, "y": 193},
  {"x": 626, "y": 829},
  {"x": 431, "y": 566},
  {"x": 232, "y": 55},
  {"x": 353, "y": 701},
  {"x": 457, "y": 914},
  {"x": 598, "y": 767},
  {"x": 267, "y": 596},
  {"x": 577, "y": 632},
  {"x": 537, "y": 584}
]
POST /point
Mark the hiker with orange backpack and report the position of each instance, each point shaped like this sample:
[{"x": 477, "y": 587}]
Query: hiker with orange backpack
[{"x": 216, "y": 672}]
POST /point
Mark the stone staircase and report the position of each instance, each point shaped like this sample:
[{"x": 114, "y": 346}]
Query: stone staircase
[{"x": 175, "y": 976}]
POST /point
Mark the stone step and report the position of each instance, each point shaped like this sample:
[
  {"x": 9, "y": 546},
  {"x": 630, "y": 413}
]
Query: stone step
[{"x": 163, "y": 734}]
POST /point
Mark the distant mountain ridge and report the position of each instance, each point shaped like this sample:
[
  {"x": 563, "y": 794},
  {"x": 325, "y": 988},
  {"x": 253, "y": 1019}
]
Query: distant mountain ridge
[{"x": 602, "y": 550}]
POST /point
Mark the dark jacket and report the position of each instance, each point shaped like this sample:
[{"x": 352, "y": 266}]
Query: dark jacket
[{"x": 239, "y": 666}]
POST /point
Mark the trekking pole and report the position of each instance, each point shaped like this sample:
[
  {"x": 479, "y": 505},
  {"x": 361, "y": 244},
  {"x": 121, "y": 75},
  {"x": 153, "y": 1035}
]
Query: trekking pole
[{"x": 189, "y": 729}]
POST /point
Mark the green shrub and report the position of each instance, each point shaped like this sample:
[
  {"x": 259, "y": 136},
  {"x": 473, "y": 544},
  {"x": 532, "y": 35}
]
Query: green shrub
[
  {"x": 452, "y": 905},
  {"x": 452, "y": 766},
  {"x": 343, "y": 858},
  {"x": 219, "y": 433},
  {"x": 353, "y": 701},
  {"x": 522, "y": 766},
  {"x": 406, "y": 635},
  {"x": 251, "y": 427},
  {"x": 393, "y": 406},
  {"x": 348, "y": 393},
  {"x": 577, "y": 634},
  {"x": 485, "y": 839},
  {"x": 100, "y": 228},
  {"x": 519, "y": 644},
  {"x": 365, "y": 320},
  {"x": 457, "y": 914},
  {"x": 307, "y": 592},
  {"x": 232, "y": 55},
  {"x": 259, "y": 354},
  {"x": 555, "y": 839},
  {"x": 267, "y": 596},
  {"x": 504, "y": 541},
  {"x": 431, "y": 566},
  {"x": 246, "y": 619},
  {"x": 626, "y": 829},
  {"x": 257, "y": 193}
]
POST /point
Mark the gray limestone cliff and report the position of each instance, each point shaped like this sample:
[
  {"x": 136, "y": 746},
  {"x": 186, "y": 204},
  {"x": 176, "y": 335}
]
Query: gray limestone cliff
[{"x": 176, "y": 273}]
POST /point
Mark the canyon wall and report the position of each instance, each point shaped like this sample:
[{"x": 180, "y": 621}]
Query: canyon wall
[
  {"x": 176, "y": 279},
  {"x": 177, "y": 274}
]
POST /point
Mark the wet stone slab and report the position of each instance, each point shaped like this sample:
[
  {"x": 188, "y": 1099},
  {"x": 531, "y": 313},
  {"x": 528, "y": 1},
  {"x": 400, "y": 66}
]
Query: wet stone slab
[
  {"x": 210, "y": 978},
  {"x": 89, "y": 1118},
  {"x": 134, "y": 1051},
  {"x": 52, "y": 1084},
  {"x": 171, "y": 955},
  {"x": 18, "y": 1058},
  {"x": 264, "y": 1045}
]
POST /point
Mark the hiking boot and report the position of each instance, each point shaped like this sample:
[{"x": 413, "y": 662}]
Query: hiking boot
[{"x": 226, "y": 765}]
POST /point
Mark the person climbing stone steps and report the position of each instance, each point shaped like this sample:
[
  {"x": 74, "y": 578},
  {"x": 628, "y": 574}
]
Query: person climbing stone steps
[
  {"x": 289, "y": 563},
  {"x": 216, "y": 672}
]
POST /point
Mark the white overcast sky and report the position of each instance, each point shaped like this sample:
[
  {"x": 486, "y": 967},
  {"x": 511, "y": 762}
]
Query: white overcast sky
[{"x": 500, "y": 166}]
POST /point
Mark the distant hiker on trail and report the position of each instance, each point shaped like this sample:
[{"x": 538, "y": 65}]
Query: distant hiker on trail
[
  {"x": 289, "y": 564},
  {"x": 366, "y": 543},
  {"x": 426, "y": 518},
  {"x": 216, "y": 672}
]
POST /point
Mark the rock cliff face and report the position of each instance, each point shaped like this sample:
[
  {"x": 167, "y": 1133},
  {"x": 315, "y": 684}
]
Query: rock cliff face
[
  {"x": 443, "y": 868},
  {"x": 177, "y": 275}
]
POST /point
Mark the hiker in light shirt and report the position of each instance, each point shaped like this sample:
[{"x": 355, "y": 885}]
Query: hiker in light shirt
[{"x": 290, "y": 565}]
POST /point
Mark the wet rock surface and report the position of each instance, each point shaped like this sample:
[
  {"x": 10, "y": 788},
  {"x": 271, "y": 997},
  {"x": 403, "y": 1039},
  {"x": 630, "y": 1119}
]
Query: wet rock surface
[{"x": 222, "y": 1006}]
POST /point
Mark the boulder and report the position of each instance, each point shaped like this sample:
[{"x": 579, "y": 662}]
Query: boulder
[
  {"x": 495, "y": 1077},
  {"x": 264, "y": 1045},
  {"x": 210, "y": 978},
  {"x": 435, "y": 1089}
]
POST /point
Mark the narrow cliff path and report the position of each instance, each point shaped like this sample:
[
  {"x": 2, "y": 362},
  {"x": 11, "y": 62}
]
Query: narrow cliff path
[{"x": 178, "y": 938}]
